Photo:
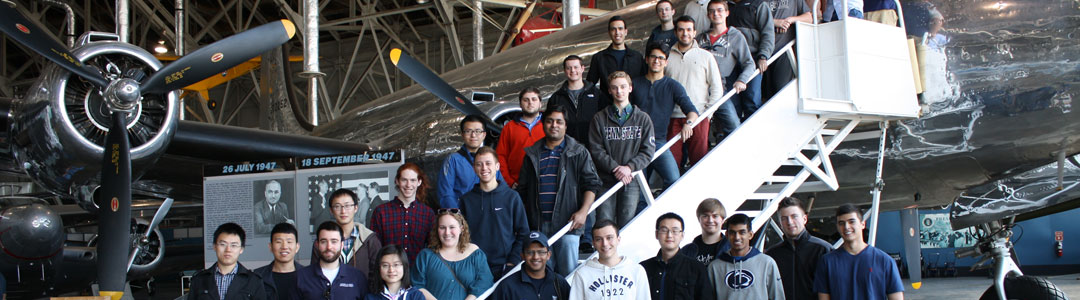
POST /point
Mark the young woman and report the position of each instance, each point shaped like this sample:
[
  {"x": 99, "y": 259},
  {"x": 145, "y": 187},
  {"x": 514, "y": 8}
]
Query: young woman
[
  {"x": 392, "y": 282},
  {"x": 451, "y": 268}
]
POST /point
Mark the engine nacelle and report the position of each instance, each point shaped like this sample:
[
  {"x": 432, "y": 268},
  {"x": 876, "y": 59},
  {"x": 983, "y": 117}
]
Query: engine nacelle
[
  {"x": 58, "y": 131},
  {"x": 30, "y": 233}
]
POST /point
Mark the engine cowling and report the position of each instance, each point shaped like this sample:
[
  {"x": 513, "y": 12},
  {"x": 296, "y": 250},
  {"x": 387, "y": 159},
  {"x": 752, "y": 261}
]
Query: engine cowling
[
  {"x": 58, "y": 130},
  {"x": 30, "y": 233}
]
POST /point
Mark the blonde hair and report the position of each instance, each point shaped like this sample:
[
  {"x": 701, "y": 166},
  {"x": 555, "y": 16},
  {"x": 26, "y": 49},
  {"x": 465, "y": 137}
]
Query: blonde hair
[
  {"x": 617, "y": 75},
  {"x": 710, "y": 205}
]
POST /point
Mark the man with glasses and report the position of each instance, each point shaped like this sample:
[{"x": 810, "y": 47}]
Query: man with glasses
[
  {"x": 657, "y": 95},
  {"x": 457, "y": 176},
  {"x": 673, "y": 276},
  {"x": 735, "y": 63},
  {"x": 797, "y": 255},
  {"x": 227, "y": 278},
  {"x": 360, "y": 245},
  {"x": 558, "y": 184},
  {"x": 696, "y": 70},
  {"x": 742, "y": 272},
  {"x": 330, "y": 279},
  {"x": 616, "y": 57},
  {"x": 280, "y": 274},
  {"x": 535, "y": 280},
  {"x": 664, "y": 33},
  {"x": 495, "y": 215}
]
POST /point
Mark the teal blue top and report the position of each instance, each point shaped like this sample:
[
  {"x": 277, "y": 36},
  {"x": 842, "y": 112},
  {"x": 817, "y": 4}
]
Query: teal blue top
[{"x": 430, "y": 273}]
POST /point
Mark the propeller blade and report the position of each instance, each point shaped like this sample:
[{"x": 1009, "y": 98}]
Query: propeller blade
[
  {"x": 218, "y": 57},
  {"x": 114, "y": 217},
  {"x": 909, "y": 222},
  {"x": 158, "y": 216},
  {"x": 430, "y": 81},
  {"x": 25, "y": 32}
]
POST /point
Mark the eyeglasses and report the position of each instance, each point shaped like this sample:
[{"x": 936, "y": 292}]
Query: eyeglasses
[
  {"x": 472, "y": 132},
  {"x": 340, "y": 206},
  {"x": 228, "y": 245},
  {"x": 395, "y": 265},
  {"x": 449, "y": 211},
  {"x": 666, "y": 231},
  {"x": 536, "y": 252},
  {"x": 660, "y": 57}
]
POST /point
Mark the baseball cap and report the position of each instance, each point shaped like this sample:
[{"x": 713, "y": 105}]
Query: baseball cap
[{"x": 538, "y": 237}]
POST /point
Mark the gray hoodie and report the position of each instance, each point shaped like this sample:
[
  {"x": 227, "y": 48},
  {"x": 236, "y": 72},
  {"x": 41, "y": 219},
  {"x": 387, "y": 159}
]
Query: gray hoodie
[
  {"x": 596, "y": 281},
  {"x": 753, "y": 276},
  {"x": 613, "y": 143},
  {"x": 730, "y": 50}
]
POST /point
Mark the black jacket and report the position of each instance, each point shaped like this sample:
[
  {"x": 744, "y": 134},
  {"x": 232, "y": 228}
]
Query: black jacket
[
  {"x": 797, "y": 264},
  {"x": 245, "y": 285},
  {"x": 519, "y": 286},
  {"x": 266, "y": 272},
  {"x": 577, "y": 174},
  {"x": 603, "y": 64},
  {"x": 589, "y": 103},
  {"x": 681, "y": 278}
]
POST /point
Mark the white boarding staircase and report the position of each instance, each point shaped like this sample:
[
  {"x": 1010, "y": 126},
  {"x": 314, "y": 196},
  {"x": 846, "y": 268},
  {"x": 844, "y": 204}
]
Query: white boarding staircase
[{"x": 787, "y": 142}]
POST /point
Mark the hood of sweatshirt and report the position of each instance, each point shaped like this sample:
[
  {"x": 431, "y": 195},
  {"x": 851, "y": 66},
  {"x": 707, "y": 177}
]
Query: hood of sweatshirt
[{"x": 735, "y": 259}]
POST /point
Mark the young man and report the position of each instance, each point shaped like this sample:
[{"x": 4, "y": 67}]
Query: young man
[
  {"x": 742, "y": 272},
  {"x": 271, "y": 210},
  {"x": 227, "y": 278},
  {"x": 330, "y": 279},
  {"x": 376, "y": 200},
  {"x": 550, "y": 205},
  {"x": 580, "y": 98},
  {"x": 784, "y": 13},
  {"x": 696, "y": 70},
  {"x": 798, "y": 254},
  {"x": 280, "y": 275},
  {"x": 495, "y": 215},
  {"x": 615, "y": 57},
  {"x": 535, "y": 281},
  {"x": 754, "y": 19},
  {"x": 518, "y": 134},
  {"x": 664, "y": 33},
  {"x": 609, "y": 276},
  {"x": 457, "y": 175},
  {"x": 360, "y": 245},
  {"x": 621, "y": 142},
  {"x": 673, "y": 276},
  {"x": 735, "y": 63},
  {"x": 404, "y": 221},
  {"x": 711, "y": 242},
  {"x": 856, "y": 270},
  {"x": 658, "y": 95}
]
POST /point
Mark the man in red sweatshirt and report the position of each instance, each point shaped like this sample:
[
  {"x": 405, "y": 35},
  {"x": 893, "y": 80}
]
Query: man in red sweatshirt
[{"x": 518, "y": 134}]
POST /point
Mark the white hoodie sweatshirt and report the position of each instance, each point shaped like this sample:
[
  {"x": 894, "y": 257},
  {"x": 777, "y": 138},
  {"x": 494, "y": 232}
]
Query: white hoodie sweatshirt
[{"x": 596, "y": 281}]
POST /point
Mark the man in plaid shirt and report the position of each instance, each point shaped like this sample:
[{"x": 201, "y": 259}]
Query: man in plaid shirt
[{"x": 405, "y": 221}]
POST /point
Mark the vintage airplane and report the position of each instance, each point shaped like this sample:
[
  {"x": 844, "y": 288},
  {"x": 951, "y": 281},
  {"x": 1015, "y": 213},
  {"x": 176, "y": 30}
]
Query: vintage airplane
[{"x": 1003, "y": 111}]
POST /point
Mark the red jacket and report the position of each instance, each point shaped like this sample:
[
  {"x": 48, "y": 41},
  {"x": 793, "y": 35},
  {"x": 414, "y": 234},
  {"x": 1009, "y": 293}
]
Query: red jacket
[{"x": 513, "y": 140}]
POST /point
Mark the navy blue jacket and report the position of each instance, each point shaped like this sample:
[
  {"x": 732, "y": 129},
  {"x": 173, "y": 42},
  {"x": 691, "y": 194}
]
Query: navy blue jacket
[
  {"x": 457, "y": 177},
  {"x": 266, "y": 272},
  {"x": 311, "y": 284},
  {"x": 519, "y": 286},
  {"x": 411, "y": 293},
  {"x": 498, "y": 224},
  {"x": 658, "y": 99}
]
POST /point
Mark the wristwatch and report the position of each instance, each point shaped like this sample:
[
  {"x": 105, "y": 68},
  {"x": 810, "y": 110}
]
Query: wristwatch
[{"x": 688, "y": 122}]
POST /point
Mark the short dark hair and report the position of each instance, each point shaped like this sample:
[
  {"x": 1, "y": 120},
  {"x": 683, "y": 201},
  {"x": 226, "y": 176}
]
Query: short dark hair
[
  {"x": 613, "y": 19},
  {"x": 737, "y": 219},
  {"x": 529, "y": 89},
  {"x": 572, "y": 57},
  {"x": 486, "y": 150},
  {"x": 605, "y": 223},
  {"x": 656, "y": 46},
  {"x": 341, "y": 192},
  {"x": 848, "y": 208},
  {"x": 470, "y": 118},
  {"x": 374, "y": 185},
  {"x": 721, "y": 2},
  {"x": 686, "y": 18},
  {"x": 329, "y": 226},
  {"x": 791, "y": 201},
  {"x": 231, "y": 228},
  {"x": 377, "y": 284},
  {"x": 555, "y": 108},
  {"x": 285, "y": 228},
  {"x": 669, "y": 215},
  {"x": 665, "y": 1}
]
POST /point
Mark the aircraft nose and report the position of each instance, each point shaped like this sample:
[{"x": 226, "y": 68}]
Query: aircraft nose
[{"x": 30, "y": 232}]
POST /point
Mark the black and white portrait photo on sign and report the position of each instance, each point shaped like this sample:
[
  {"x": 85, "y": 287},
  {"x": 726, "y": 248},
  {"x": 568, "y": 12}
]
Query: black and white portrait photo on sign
[
  {"x": 372, "y": 188},
  {"x": 273, "y": 204},
  {"x": 319, "y": 190}
]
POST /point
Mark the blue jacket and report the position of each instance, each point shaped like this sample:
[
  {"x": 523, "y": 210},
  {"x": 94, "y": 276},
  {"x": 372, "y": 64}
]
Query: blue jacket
[
  {"x": 457, "y": 177},
  {"x": 658, "y": 99},
  {"x": 411, "y": 293},
  {"x": 266, "y": 272},
  {"x": 311, "y": 284},
  {"x": 498, "y": 224}
]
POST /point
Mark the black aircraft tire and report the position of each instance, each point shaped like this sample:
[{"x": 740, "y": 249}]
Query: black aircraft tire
[{"x": 1027, "y": 288}]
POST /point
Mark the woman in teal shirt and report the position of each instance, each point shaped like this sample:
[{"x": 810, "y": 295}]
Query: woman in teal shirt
[{"x": 451, "y": 268}]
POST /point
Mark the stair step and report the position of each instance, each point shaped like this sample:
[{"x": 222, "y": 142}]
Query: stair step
[{"x": 807, "y": 187}]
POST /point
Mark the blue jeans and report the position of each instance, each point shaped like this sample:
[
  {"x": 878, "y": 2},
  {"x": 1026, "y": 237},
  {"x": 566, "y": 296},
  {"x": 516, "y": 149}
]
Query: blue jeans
[
  {"x": 748, "y": 101},
  {"x": 622, "y": 207},
  {"x": 666, "y": 165},
  {"x": 564, "y": 253}
]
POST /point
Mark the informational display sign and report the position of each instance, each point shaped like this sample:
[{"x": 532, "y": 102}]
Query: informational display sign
[
  {"x": 258, "y": 195},
  {"x": 935, "y": 231}
]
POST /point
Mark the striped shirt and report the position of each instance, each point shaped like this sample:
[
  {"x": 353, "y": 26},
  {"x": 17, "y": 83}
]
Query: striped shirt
[
  {"x": 408, "y": 227},
  {"x": 549, "y": 176},
  {"x": 223, "y": 280},
  {"x": 347, "y": 244}
]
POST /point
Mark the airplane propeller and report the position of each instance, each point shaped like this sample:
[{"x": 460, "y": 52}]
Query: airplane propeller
[
  {"x": 144, "y": 238},
  {"x": 431, "y": 81},
  {"x": 122, "y": 96}
]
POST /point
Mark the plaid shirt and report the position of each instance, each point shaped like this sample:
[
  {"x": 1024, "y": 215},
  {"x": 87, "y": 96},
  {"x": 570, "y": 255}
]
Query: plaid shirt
[
  {"x": 406, "y": 227},
  {"x": 223, "y": 280}
]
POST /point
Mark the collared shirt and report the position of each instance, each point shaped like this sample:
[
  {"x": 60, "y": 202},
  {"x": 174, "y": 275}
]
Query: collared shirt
[
  {"x": 624, "y": 113},
  {"x": 408, "y": 227},
  {"x": 223, "y": 280},
  {"x": 347, "y": 244},
  {"x": 393, "y": 296},
  {"x": 549, "y": 176},
  {"x": 535, "y": 121}
]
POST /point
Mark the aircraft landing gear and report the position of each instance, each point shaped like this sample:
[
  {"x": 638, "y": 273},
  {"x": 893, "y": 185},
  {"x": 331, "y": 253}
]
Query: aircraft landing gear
[{"x": 1009, "y": 282}]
